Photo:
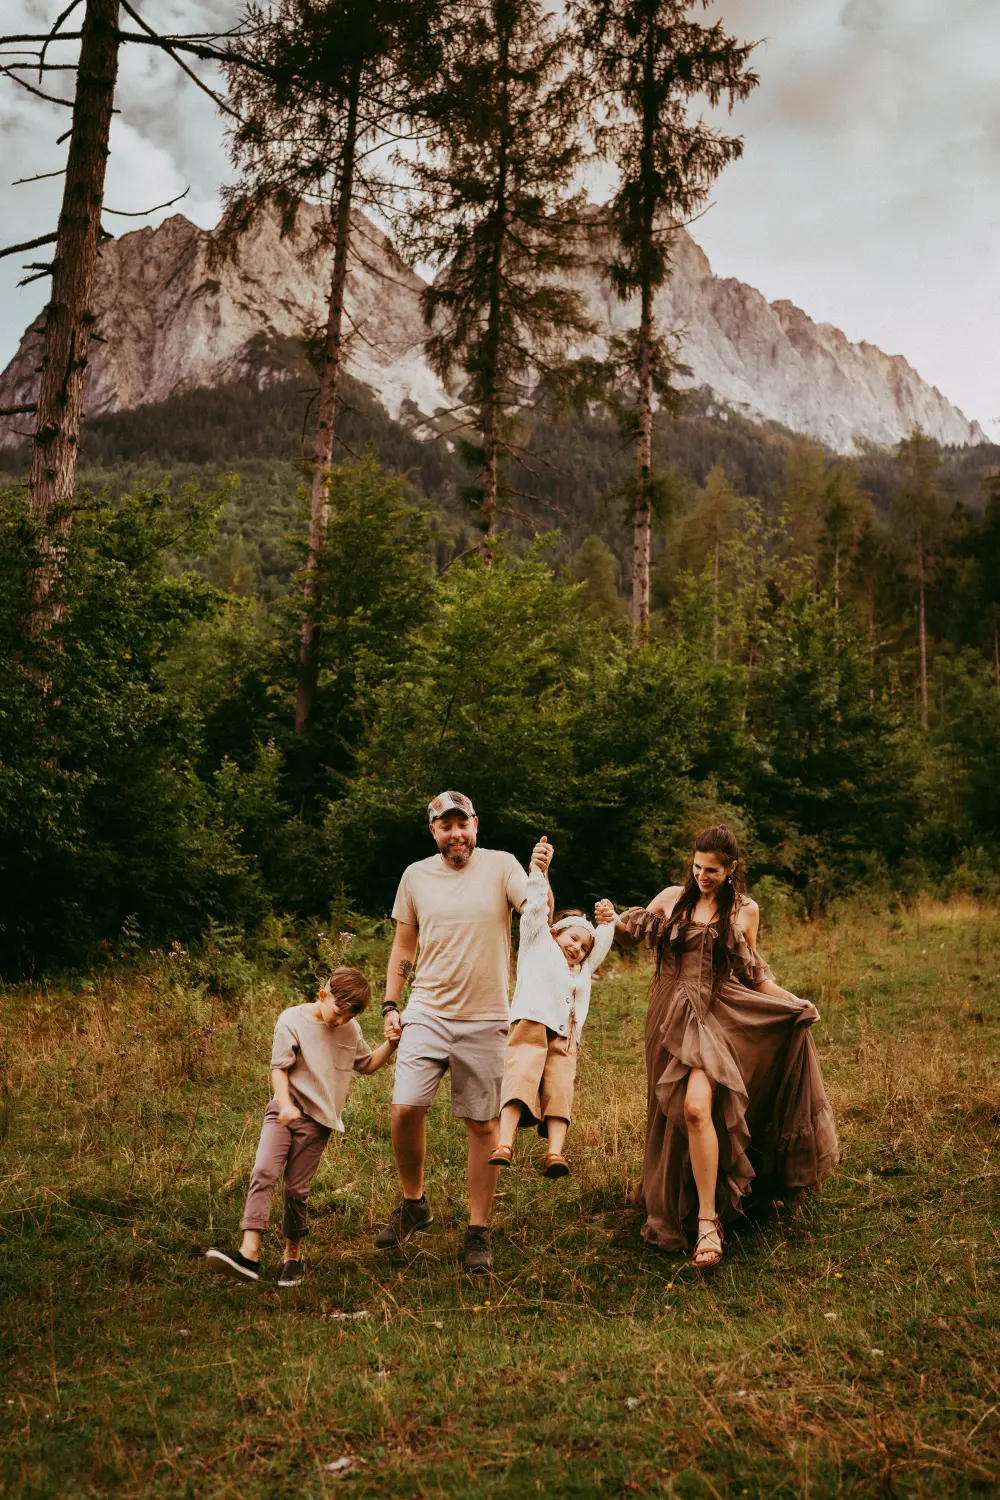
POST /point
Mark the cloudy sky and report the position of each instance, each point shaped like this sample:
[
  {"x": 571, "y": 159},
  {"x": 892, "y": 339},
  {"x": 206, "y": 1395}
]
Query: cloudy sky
[{"x": 869, "y": 193}]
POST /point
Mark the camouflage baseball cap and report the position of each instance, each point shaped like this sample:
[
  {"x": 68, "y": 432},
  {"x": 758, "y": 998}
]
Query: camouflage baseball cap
[{"x": 449, "y": 802}]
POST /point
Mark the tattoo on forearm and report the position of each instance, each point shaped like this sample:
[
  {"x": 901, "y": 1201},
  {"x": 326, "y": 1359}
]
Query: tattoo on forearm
[{"x": 405, "y": 969}]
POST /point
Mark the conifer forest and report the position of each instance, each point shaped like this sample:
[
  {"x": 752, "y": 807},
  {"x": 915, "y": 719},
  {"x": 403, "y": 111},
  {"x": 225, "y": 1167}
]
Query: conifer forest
[{"x": 246, "y": 630}]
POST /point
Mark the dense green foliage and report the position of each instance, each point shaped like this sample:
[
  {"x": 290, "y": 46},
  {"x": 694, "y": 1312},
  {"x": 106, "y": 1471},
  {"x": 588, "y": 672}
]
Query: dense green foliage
[{"x": 151, "y": 779}]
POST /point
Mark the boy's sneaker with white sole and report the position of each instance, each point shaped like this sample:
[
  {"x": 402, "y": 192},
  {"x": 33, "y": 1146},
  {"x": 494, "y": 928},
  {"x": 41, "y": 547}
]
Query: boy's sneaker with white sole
[
  {"x": 232, "y": 1263},
  {"x": 291, "y": 1273}
]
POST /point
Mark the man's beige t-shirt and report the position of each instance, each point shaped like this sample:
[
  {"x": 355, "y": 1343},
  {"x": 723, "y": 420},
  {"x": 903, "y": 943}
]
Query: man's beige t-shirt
[
  {"x": 463, "y": 918},
  {"x": 320, "y": 1060}
]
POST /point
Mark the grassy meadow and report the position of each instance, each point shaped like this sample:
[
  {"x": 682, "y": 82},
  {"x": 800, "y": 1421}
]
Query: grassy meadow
[{"x": 849, "y": 1349}]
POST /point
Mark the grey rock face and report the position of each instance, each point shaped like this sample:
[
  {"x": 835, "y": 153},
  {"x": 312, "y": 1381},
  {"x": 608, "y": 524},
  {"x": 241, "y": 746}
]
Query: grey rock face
[{"x": 174, "y": 316}]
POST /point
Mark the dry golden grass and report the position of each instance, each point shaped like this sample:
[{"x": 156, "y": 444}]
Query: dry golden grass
[{"x": 850, "y": 1350}]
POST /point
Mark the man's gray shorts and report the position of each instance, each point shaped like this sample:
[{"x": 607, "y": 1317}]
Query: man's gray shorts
[{"x": 473, "y": 1050}]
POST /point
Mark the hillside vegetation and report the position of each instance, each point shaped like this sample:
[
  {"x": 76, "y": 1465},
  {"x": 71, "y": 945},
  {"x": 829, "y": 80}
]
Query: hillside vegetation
[{"x": 823, "y": 671}]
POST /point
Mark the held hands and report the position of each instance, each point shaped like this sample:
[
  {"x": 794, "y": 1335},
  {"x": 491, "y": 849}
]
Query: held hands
[
  {"x": 287, "y": 1113},
  {"x": 604, "y": 912},
  {"x": 541, "y": 855},
  {"x": 392, "y": 1027}
]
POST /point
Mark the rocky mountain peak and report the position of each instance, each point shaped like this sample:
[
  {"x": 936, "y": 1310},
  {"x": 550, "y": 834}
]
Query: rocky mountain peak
[{"x": 176, "y": 314}]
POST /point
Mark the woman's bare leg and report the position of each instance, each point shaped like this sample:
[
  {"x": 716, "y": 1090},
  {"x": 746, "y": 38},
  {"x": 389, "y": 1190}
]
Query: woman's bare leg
[
  {"x": 557, "y": 1134},
  {"x": 703, "y": 1145}
]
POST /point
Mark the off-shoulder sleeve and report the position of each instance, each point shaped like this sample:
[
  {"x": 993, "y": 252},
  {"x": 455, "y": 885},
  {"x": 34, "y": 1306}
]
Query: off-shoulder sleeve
[
  {"x": 640, "y": 925},
  {"x": 747, "y": 962}
]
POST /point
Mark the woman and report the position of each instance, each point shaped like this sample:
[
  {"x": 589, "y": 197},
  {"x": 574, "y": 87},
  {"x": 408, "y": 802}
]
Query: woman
[{"x": 736, "y": 1098}]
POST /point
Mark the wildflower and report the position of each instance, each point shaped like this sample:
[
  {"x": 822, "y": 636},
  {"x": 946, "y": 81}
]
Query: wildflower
[{"x": 838, "y": 1276}]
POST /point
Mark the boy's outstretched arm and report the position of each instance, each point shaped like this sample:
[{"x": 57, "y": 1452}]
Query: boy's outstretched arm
[
  {"x": 380, "y": 1056},
  {"x": 398, "y": 973}
]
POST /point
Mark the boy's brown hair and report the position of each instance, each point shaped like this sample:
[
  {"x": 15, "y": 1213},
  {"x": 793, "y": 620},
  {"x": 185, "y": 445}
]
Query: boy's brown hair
[{"x": 350, "y": 988}]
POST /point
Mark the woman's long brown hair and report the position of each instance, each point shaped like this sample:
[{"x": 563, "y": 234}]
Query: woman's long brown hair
[{"x": 722, "y": 841}]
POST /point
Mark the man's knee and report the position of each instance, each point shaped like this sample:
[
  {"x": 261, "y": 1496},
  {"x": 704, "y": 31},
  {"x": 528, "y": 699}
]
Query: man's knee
[
  {"x": 408, "y": 1116},
  {"x": 482, "y": 1129}
]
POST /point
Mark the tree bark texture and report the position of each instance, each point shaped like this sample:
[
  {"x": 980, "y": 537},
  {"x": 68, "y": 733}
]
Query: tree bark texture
[
  {"x": 642, "y": 518},
  {"x": 319, "y": 508},
  {"x": 921, "y": 584},
  {"x": 490, "y": 412},
  {"x": 715, "y": 604},
  {"x": 68, "y": 318}
]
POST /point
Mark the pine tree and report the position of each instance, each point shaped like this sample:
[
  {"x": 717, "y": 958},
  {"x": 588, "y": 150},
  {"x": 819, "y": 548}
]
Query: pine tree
[
  {"x": 69, "y": 318},
  {"x": 338, "y": 83},
  {"x": 845, "y": 515},
  {"x": 493, "y": 213},
  {"x": 919, "y": 512},
  {"x": 649, "y": 59}
]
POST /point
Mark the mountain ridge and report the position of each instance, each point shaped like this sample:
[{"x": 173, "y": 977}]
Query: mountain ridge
[{"x": 176, "y": 314}]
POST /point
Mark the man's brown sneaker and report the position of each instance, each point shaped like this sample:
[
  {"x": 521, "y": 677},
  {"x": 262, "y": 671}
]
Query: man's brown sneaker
[
  {"x": 477, "y": 1252},
  {"x": 412, "y": 1215}
]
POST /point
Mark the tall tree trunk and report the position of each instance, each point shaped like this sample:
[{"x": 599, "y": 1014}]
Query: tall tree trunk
[
  {"x": 490, "y": 416},
  {"x": 642, "y": 520},
  {"x": 715, "y": 604},
  {"x": 923, "y": 630},
  {"x": 490, "y": 408},
  {"x": 996, "y": 653},
  {"x": 319, "y": 511},
  {"x": 68, "y": 317}
]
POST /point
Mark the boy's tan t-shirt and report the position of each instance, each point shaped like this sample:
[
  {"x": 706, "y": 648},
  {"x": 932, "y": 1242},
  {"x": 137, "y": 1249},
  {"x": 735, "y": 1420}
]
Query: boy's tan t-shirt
[
  {"x": 320, "y": 1061},
  {"x": 463, "y": 918}
]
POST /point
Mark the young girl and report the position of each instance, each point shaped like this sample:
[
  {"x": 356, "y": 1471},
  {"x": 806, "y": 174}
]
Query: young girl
[
  {"x": 736, "y": 1104},
  {"x": 551, "y": 999}
]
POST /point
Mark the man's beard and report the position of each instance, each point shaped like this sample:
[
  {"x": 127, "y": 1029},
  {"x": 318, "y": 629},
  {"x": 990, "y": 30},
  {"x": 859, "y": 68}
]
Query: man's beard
[{"x": 458, "y": 855}]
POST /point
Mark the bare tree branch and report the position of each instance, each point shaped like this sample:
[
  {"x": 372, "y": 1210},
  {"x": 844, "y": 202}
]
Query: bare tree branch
[
  {"x": 43, "y": 239},
  {"x": 63, "y": 16},
  {"x": 171, "y": 52},
  {"x": 122, "y": 214},
  {"x": 16, "y": 411},
  {"x": 39, "y": 177},
  {"x": 23, "y": 84}
]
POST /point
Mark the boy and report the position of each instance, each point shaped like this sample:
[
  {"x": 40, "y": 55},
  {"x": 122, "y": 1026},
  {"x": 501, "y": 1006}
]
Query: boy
[{"x": 316, "y": 1049}]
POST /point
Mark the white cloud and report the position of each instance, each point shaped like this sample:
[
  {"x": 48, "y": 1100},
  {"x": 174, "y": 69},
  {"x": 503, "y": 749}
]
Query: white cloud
[{"x": 869, "y": 192}]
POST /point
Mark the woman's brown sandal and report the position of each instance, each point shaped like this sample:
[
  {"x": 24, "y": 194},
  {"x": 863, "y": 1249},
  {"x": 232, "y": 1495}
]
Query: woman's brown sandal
[
  {"x": 706, "y": 1256},
  {"x": 556, "y": 1165},
  {"x": 503, "y": 1156}
]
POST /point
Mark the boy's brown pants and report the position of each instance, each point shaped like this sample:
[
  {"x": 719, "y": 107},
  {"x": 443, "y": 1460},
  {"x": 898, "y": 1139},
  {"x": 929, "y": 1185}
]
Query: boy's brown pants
[{"x": 296, "y": 1147}]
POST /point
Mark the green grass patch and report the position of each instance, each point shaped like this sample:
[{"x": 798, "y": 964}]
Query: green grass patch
[{"x": 850, "y": 1349}]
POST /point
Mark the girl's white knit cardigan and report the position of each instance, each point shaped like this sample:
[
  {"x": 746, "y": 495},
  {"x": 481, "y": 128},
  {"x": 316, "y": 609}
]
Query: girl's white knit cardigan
[{"x": 547, "y": 989}]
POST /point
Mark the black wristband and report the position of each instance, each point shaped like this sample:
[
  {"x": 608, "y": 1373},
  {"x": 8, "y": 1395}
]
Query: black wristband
[{"x": 388, "y": 1005}]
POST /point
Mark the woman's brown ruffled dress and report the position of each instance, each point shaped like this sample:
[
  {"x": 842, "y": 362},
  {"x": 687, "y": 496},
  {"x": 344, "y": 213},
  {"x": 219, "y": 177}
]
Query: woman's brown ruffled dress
[{"x": 776, "y": 1130}]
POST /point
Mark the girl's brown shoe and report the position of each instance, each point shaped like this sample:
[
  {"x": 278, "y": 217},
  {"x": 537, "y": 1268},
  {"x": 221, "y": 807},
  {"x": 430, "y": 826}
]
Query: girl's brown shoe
[
  {"x": 503, "y": 1156},
  {"x": 556, "y": 1165}
]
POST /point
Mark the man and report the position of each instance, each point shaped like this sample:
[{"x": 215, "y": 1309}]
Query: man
[{"x": 456, "y": 905}]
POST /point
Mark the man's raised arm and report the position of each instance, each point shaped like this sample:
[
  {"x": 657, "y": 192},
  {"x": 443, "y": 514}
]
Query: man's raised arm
[{"x": 398, "y": 974}]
